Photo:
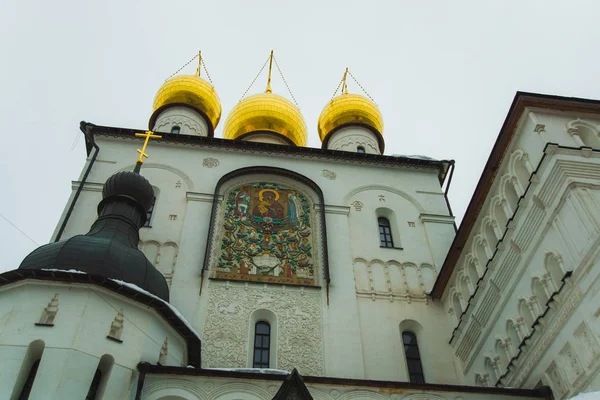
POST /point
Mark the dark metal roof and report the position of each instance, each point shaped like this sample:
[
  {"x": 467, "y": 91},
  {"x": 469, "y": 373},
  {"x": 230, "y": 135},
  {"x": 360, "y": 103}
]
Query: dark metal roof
[{"x": 110, "y": 248}]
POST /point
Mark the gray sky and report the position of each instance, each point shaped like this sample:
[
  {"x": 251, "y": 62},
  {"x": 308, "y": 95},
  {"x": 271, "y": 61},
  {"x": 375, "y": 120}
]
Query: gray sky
[{"x": 443, "y": 73}]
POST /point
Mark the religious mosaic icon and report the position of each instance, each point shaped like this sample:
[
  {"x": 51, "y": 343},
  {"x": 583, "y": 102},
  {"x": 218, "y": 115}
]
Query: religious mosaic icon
[{"x": 267, "y": 236}]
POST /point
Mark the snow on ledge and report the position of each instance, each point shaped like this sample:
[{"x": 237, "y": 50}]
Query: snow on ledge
[
  {"x": 136, "y": 288},
  {"x": 72, "y": 271},
  {"x": 175, "y": 311},
  {"x": 253, "y": 370},
  {"x": 414, "y": 156},
  {"x": 587, "y": 396}
]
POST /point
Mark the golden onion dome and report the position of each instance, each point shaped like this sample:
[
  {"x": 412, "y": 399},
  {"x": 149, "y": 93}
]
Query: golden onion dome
[
  {"x": 266, "y": 112},
  {"x": 191, "y": 91},
  {"x": 350, "y": 109}
]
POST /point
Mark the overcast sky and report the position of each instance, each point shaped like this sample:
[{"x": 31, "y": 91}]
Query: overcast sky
[{"x": 443, "y": 73}]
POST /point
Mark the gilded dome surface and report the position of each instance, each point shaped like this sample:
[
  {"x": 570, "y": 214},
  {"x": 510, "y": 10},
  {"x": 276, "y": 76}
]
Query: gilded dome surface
[
  {"x": 192, "y": 91},
  {"x": 266, "y": 112},
  {"x": 349, "y": 109}
]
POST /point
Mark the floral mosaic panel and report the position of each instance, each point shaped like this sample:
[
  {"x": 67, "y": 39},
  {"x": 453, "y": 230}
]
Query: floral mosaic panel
[{"x": 267, "y": 236}]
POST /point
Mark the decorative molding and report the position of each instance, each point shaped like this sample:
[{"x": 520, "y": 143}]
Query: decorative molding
[
  {"x": 393, "y": 281},
  {"x": 390, "y": 189},
  {"x": 210, "y": 162},
  {"x": 548, "y": 336},
  {"x": 164, "y": 352},
  {"x": 88, "y": 186},
  {"x": 437, "y": 218},
  {"x": 147, "y": 165},
  {"x": 204, "y": 197},
  {"x": 49, "y": 313},
  {"x": 342, "y": 210},
  {"x": 329, "y": 174},
  {"x": 358, "y": 205},
  {"x": 526, "y": 222},
  {"x": 430, "y": 193},
  {"x": 227, "y": 333},
  {"x": 116, "y": 327}
]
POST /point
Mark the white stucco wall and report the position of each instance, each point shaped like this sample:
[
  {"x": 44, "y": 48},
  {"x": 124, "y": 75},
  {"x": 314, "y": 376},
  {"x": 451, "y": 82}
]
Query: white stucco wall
[
  {"x": 189, "y": 121},
  {"x": 78, "y": 338},
  {"x": 186, "y": 176},
  {"x": 350, "y": 137},
  {"x": 533, "y": 228},
  {"x": 162, "y": 387}
]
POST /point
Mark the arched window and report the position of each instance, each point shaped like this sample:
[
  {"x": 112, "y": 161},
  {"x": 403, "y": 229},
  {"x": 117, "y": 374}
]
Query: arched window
[
  {"x": 29, "y": 382},
  {"x": 29, "y": 369},
  {"x": 360, "y": 149},
  {"x": 92, "y": 393},
  {"x": 385, "y": 233},
  {"x": 413, "y": 358},
  {"x": 101, "y": 376},
  {"x": 262, "y": 344},
  {"x": 149, "y": 213},
  {"x": 176, "y": 129}
]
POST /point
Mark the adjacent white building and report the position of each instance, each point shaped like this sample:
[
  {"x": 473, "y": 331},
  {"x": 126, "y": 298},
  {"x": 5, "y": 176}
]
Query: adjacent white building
[{"x": 341, "y": 264}]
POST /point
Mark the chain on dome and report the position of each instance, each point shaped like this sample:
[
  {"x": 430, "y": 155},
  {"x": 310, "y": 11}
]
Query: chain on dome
[
  {"x": 201, "y": 65},
  {"x": 344, "y": 86},
  {"x": 271, "y": 58}
]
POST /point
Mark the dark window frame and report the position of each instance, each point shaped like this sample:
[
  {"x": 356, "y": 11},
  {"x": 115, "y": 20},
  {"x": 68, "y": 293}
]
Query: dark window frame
[
  {"x": 262, "y": 347},
  {"x": 413, "y": 357},
  {"x": 385, "y": 233},
  {"x": 149, "y": 214},
  {"x": 360, "y": 149},
  {"x": 176, "y": 129}
]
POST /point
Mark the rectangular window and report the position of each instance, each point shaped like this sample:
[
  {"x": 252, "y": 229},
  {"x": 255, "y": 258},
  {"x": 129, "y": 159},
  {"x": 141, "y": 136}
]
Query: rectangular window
[
  {"x": 385, "y": 233},
  {"x": 262, "y": 344},
  {"x": 149, "y": 214},
  {"x": 413, "y": 358}
]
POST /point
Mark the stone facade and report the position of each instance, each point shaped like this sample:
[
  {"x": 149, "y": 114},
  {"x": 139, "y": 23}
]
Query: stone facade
[
  {"x": 521, "y": 299},
  {"x": 519, "y": 308}
]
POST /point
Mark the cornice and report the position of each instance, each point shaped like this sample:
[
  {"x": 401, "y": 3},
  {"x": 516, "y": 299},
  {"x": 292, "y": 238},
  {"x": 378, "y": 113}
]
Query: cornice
[
  {"x": 167, "y": 313},
  {"x": 524, "y": 233},
  {"x": 521, "y": 102},
  {"x": 203, "y": 197},
  {"x": 342, "y": 210},
  {"x": 437, "y": 218},
  {"x": 88, "y": 186},
  {"x": 441, "y": 166}
]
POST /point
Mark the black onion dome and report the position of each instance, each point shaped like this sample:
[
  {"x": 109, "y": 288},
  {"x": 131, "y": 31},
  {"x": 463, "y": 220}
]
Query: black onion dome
[
  {"x": 109, "y": 249},
  {"x": 130, "y": 184}
]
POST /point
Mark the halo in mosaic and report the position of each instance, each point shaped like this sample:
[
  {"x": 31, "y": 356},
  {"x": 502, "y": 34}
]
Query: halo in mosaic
[{"x": 267, "y": 236}]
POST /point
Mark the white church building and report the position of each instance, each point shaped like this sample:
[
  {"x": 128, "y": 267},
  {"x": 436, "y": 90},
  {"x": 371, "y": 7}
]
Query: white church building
[{"x": 252, "y": 267}]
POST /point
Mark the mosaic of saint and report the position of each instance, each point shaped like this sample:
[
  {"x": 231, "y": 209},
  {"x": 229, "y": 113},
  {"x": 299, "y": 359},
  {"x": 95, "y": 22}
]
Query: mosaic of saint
[{"x": 267, "y": 236}]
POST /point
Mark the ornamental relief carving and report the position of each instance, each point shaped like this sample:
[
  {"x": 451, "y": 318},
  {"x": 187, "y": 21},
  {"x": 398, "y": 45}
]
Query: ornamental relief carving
[
  {"x": 392, "y": 280},
  {"x": 210, "y": 162},
  {"x": 176, "y": 120},
  {"x": 329, "y": 174},
  {"x": 226, "y": 336},
  {"x": 353, "y": 141},
  {"x": 226, "y": 388}
]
